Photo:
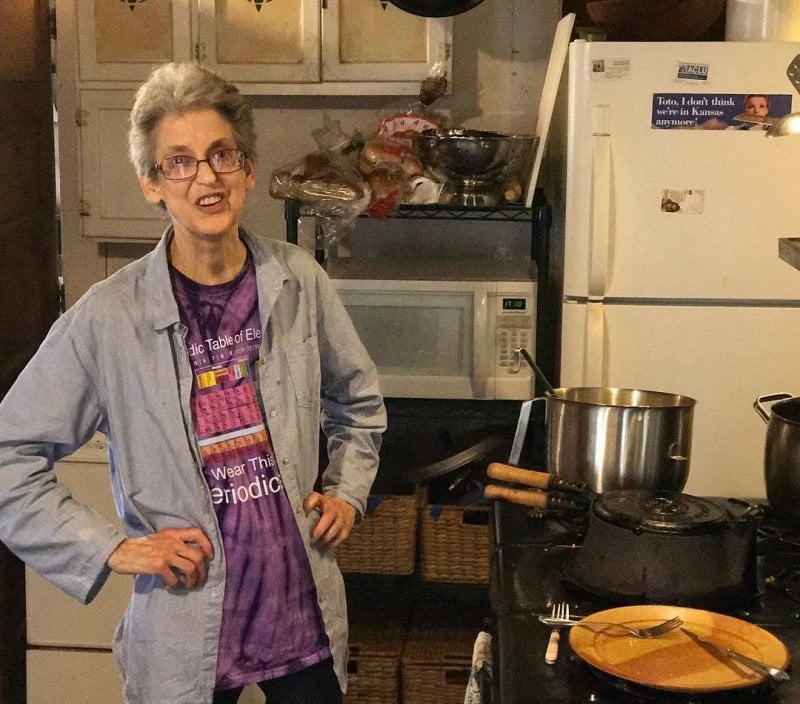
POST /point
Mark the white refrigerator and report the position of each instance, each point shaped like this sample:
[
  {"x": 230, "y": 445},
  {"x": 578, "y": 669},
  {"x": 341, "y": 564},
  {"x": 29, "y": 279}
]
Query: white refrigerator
[{"x": 673, "y": 203}]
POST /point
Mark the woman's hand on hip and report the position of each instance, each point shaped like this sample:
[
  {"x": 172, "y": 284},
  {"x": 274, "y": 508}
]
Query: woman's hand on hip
[
  {"x": 178, "y": 555},
  {"x": 336, "y": 518}
]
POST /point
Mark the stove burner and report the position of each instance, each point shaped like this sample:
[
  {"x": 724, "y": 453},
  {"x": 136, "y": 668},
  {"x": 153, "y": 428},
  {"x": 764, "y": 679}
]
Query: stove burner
[
  {"x": 785, "y": 582},
  {"x": 778, "y": 535},
  {"x": 564, "y": 525},
  {"x": 763, "y": 693}
]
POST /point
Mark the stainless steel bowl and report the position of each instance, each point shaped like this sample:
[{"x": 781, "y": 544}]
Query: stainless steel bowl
[{"x": 474, "y": 154}]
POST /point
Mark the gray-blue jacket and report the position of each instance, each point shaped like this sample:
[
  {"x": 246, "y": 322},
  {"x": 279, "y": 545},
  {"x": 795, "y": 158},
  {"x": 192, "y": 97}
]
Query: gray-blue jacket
[{"x": 116, "y": 363}]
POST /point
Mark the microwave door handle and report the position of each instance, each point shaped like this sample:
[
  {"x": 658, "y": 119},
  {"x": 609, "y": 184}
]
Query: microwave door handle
[{"x": 482, "y": 347}]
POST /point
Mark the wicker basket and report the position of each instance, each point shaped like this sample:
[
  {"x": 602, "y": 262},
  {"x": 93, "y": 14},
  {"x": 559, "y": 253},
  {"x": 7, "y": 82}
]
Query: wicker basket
[
  {"x": 385, "y": 541},
  {"x": 454, "y": 543},
  {"x": 436, "y": 664},
  {"x": 376, "y": 645}
]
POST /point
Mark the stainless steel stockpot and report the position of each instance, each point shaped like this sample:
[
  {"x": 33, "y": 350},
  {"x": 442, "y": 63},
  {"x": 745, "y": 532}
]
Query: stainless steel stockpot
[{"x": 613, "y": 438}]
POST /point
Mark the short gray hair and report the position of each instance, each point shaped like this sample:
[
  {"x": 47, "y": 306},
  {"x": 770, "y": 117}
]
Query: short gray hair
[{"x": 177, "y": 88}]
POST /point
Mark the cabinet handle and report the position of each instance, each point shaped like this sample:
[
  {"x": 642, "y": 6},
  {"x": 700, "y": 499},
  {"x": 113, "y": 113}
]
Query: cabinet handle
[{"x": 324, "y": 4}]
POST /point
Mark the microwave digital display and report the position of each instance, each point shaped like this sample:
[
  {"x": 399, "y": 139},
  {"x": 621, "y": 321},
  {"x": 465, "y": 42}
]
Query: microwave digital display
[{"x": 518, "y": 304}]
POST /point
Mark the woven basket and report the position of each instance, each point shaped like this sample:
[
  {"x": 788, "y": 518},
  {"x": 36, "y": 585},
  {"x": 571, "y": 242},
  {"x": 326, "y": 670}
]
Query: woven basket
[
  {"x": 436, "y": 664},
  {"x": 376, "y": 645},
  {"x": 386, "y": 539},
  {"x": 454, "y": 543}
]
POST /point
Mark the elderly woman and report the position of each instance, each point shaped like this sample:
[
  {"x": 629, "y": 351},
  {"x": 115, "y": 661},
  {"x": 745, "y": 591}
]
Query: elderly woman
[{"x": 208, "y": 365}]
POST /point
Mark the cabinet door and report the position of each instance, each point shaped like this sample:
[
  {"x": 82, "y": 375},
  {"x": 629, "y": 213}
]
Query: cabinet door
[
  {"x": 55, "y": 619},
  {"x": 364, "y": 41},
  {"x": 124, "y": 40},
  {"x": 266, "y": 41},
  {"x": 77, "y": 675},
  {"x": 112, "y": 205}
]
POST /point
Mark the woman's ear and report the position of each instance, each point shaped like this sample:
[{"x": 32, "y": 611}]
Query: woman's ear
[
  {"x": 151, "y": 189},
  {"x": 250, "y": 174}
]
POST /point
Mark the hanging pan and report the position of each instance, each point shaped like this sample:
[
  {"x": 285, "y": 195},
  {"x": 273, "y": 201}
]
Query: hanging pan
[{"x": 435, "y": 8}]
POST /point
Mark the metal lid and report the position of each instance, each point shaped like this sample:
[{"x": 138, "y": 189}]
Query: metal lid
[
  {"x": 660, "y": 512},
  {"x": 460, "y": 459}
]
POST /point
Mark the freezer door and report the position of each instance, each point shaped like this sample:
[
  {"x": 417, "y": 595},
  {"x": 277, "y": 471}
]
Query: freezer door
[
  {"x": 736, "y": 191},
  {"x": 722, "y": 357}
]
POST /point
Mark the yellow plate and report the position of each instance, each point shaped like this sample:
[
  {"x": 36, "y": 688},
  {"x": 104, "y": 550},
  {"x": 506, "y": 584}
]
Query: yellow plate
[{"x": 673, "y": 661}]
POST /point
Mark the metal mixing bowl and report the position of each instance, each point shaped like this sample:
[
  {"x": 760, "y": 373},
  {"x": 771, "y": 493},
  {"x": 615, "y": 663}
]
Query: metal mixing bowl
[{"x": 474, "y": 154}]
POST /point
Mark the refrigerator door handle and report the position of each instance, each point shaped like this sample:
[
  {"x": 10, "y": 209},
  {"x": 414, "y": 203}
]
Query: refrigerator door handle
[
  {"x": 600, "y": 204},
  {"x": 594, "y": 345}
]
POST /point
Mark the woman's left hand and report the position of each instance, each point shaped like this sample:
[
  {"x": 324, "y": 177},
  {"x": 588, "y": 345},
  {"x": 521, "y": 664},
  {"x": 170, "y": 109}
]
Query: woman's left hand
[{"x": 336, "y": 518}]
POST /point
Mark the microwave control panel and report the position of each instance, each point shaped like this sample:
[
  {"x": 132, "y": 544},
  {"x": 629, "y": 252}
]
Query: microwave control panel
[{"x": 514, "y": 325}]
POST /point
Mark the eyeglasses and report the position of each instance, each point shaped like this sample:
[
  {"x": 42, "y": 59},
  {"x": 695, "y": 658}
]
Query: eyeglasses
[{"x": 180, "y": 166}]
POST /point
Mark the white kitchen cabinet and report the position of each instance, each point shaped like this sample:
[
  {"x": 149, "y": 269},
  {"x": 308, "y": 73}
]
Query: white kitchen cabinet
[
  {"x": 366, "y": 40},
  {"x": 67, "y": 639},
  {"x": 269, "y": 47},
  {"x": 82, "y": 676},
  {"x": 122, "y": 41},
  {"x": 111, "y": 204},
  {"x": 56, "y": 619},
  {"x": 72, "y": 677}
]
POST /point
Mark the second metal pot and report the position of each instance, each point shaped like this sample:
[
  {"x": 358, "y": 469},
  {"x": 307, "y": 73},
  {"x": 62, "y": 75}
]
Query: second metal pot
[
  {"x": 619, "y": 438},
  {"x": 782, "y": 453}
]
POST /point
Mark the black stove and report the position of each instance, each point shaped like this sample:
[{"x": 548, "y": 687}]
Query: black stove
[{"x": 530, "y": 552}]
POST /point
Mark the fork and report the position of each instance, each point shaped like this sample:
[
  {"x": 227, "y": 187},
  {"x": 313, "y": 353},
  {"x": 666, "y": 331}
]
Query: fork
[
  {"x": 654, "y": 631},
  {"x": 560, "y": 617}
]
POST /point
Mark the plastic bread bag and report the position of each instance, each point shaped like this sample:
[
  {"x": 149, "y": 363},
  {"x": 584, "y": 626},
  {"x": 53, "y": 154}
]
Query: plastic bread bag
[
  {"x": 434, "y": 86},
  {"x": 332, "y": 138},
  {"x": 389, "y": 186},
  {"x": 330, "y": 188},
  {"x": 431, "y": 89},
  {"x": 389, "y": 159}
]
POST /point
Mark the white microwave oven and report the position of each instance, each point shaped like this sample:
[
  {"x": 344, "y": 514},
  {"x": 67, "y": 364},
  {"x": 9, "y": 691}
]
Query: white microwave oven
[{"x": 446, "y": 339}]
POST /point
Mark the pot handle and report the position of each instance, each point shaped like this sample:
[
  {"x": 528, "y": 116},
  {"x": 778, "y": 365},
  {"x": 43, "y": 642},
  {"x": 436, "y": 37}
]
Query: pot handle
[
  {"x": 758, "y": 404},
  {"x": 522, "y": 429}
]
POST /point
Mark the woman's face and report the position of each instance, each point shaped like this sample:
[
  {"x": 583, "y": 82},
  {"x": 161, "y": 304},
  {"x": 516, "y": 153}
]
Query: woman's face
[
  {"x": 756, "y": 105},
  {"x": 208, "y": 205}
]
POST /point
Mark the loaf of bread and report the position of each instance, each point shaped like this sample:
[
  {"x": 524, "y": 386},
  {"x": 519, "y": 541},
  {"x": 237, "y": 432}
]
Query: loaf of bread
[{"x": 318, "y": 177}]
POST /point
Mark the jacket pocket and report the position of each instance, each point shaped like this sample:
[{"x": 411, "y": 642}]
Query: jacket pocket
[{"x": 303, "y": 361}]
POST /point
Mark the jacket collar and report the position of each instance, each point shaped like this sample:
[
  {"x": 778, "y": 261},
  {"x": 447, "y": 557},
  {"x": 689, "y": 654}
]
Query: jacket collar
[{"x": 161, "y": 308}]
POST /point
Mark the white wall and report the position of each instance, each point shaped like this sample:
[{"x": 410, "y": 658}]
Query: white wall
[{"x": 500, "y": 54}]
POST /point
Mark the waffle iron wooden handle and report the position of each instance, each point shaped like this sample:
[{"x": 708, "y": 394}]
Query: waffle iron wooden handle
[
  {"x": 515, "y": 475},
  {"x": 524, "y": 497}
]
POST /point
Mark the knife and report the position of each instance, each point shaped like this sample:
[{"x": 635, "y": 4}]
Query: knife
[{"x": 755, "y": 665}]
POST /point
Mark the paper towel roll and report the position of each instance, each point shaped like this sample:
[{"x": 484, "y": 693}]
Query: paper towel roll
[{"x": 425, "y": 191}]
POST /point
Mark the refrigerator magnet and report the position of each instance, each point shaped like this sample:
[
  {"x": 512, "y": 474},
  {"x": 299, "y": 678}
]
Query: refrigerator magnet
[
  {"x": 718, "y": 111},
  {"x": 692, "y": 73},
  {"x": 605, "y": 69},
  {"x": 689, "y": 201}
]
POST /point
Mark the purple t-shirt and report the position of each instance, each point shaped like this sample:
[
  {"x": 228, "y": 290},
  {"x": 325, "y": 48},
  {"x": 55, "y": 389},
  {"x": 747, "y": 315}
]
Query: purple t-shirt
[{"x": 271, "y": 623}]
